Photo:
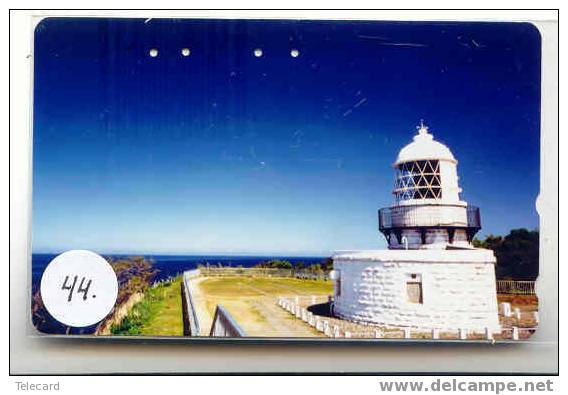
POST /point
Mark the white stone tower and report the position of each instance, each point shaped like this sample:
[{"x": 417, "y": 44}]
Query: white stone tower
[{"x": 431, "y": 277}]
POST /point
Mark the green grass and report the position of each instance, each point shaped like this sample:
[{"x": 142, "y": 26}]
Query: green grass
[
  {"x": 256, "y": 286},
  {"x": 158, "y": 314}
]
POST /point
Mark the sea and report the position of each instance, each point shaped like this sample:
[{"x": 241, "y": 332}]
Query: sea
[{"x": 172, "y": 265}]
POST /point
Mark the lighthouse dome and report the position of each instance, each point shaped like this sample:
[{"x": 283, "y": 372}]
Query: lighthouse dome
[{"x": 424, "y": 147}]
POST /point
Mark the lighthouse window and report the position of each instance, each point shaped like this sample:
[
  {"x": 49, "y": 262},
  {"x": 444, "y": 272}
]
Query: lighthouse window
[
  {"x": 418, "y": 180},
  {"x": 414, "y": 288}
]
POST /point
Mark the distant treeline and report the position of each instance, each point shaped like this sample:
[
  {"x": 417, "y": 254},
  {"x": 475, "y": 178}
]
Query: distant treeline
[
  {"x": 326, "y": 265},
  {"x": 517, "y": 254}
]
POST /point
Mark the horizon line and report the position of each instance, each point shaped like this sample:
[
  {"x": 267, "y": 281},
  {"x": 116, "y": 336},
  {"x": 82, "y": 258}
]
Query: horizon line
[{"x": 239, "y": 254}]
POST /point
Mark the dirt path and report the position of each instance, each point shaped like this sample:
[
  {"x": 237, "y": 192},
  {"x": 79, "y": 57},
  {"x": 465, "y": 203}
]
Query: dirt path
[
  {"x": 280, "y": 323},
  {"x": 256, "y": 312},
  {"x": 204, "y": 316}
]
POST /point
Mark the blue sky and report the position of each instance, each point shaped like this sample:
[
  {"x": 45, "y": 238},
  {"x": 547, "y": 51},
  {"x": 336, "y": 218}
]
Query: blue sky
[{"x": 224, "y": 152}]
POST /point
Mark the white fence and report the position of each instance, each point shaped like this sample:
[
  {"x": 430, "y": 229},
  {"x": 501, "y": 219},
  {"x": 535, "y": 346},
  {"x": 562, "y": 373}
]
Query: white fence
[
  {"x": 337, "y": 328},
  {"x": 516, "y": 287},
  {"x": 307, "y": 274}
]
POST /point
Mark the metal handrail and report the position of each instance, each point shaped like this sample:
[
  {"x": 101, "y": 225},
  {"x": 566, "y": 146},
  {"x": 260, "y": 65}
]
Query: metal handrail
[
  {"x": 224, "y": 322},
  {"x": 190, "y": 306}
]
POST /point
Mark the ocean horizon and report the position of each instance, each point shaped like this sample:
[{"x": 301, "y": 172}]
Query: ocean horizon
[{"x": 172, "y": 265}]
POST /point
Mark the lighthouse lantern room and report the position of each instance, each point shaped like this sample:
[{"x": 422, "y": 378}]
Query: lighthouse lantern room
[{"x": 428, "y": 212}]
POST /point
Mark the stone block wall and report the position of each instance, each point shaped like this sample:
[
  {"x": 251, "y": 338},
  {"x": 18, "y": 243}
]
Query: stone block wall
[{"x": 455, "y": 295}]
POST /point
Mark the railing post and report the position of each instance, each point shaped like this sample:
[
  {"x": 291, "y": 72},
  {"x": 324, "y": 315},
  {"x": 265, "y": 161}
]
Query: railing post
[
  {"x": 515, "y": 333},
  {"x": 506, "y": 309},
  {"x": 435, "y": 333},
  {"x": 336, "y": 332},
  {"x": 326, "y": 328}
]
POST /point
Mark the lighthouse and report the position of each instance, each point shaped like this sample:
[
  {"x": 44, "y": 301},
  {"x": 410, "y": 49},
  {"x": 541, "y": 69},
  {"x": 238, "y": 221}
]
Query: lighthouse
[{"x": 431, "y": 276}]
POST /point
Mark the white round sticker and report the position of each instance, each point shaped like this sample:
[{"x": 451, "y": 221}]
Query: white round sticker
[{"x": 79, "y": 288}]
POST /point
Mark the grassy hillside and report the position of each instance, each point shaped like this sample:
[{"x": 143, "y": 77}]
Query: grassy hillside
[{"x": 158, "y": 314}]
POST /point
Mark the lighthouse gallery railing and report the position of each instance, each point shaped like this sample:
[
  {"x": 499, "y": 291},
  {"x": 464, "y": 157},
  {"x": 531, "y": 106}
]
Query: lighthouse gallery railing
[{"x": 427, "y": 215}]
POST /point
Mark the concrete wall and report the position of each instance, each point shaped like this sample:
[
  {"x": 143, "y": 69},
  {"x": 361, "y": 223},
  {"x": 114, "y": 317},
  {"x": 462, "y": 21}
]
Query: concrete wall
[{"x": 458, "y": 294}]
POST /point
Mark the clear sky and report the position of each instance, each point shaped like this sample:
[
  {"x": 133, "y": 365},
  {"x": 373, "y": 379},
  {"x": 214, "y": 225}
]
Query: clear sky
[{"x": 222, "y": 152}]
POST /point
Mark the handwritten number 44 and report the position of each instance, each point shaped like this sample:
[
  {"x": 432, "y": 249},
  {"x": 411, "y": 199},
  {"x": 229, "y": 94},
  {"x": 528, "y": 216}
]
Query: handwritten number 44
[{"x": 71, "y": 287}]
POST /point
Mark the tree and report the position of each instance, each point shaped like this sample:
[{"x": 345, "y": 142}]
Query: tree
[
  {"x": 275, "y": 264},
  {"x": 517, "y": 254},
  {"x": 281, "y": 264},
  {"x": 134, "y": 275},
  {"x": 316, "y": 268},
  {"x": 327, "y": 264},
  {"x": 491, "y": 242}
]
